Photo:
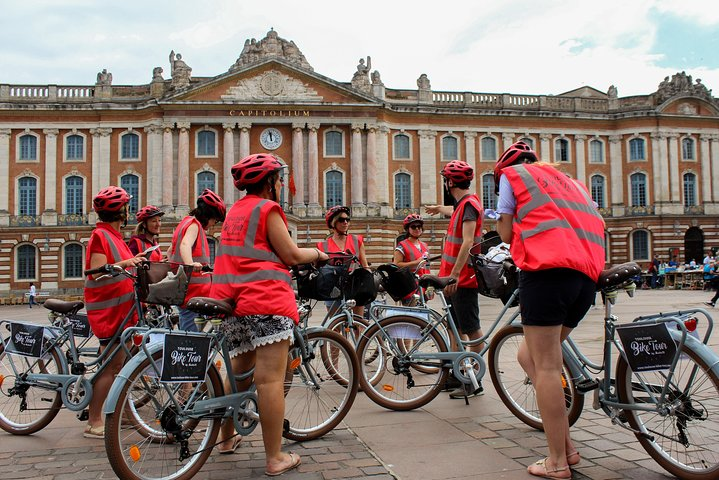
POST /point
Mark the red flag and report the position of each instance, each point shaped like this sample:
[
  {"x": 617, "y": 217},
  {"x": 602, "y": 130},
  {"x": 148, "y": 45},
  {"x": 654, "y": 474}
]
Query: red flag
[{"x": 293, "y": 189}]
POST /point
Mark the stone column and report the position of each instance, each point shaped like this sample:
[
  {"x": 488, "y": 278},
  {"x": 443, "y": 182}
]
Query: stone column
[
  {"x": 661, "y": 171},
  {"x": 49, "y": 213},
  {"x": 105, "y": 148},
  {"x": 154, "y": 174},
  {"x": 372, "y": 203},
  {"x": 357, "y": 181},
  {"x": 228, "y": 160},
  {"x": 244, "y": 147},
  {"x": 507, "y": 140},
  {"x": 183, "y": 170},
  {"x": 545, "y": 152},
  {"x": 707, "y": 171},
  {"x": 383, "y": 171},
  {"x": 581, "y": 159},
  {"x": 714, "y": 152},
  {"x": 167, "y": 168},
  {"x": 298, "y": 170},
  {"x": 5, "y": 174},
  {"x": 674, "y": 173},
  {"x": 470, "y": 145},
  {"x": 617, "y": 180},
  {"x": 314, "y": 209},
  {"x": 428, "y": 167}
]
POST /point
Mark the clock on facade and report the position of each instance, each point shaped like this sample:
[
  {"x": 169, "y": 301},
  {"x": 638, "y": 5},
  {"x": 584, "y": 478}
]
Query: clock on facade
[{"x": 271, "y": 138}]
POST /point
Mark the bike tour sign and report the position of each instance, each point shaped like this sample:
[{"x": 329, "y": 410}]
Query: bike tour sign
[
  {"x": 185, "y": 358},
  {"x": 647, "y": 347}
]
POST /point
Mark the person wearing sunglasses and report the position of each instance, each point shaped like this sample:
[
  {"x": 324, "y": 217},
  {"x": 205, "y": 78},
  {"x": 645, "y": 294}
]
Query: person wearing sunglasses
[{"x": 412, "y": 251}]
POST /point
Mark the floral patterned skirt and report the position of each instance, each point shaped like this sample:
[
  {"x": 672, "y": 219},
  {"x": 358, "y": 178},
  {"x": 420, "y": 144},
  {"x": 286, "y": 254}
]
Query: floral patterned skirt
[{"x": 248, "y": 332}]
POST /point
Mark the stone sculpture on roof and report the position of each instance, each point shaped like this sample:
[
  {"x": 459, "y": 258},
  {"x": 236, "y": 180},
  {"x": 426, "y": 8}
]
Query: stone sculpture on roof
[
  {"x": 360, "y": 79},
  {"x": 272, "y": 46},
  {"x": 179, "y": 71},
  {"x": 104, "y": 77},
  {"x": 681, "y": 84}
]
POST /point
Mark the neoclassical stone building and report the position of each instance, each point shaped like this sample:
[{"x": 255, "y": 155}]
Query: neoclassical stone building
[{"x": 650, "y": 161}]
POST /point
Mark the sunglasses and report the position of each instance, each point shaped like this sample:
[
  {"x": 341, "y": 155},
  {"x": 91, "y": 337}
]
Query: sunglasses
[
  {"x": 416, "y": 227},
  {"x": 344, "y": 219}
]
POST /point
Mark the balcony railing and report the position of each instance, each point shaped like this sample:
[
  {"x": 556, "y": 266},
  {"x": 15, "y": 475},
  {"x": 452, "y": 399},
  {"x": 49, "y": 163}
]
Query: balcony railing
[
  {"x": 24, "y": 220},
  {"x": 637, "y": 211},
  {"x": 72, "y": 219},
  {"x": 403, "y": 212},
  {"x": 694, "y": 209}
]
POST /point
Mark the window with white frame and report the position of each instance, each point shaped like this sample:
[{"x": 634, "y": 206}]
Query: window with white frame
[
  {"x": 27, "y": 192},
  {"x": 401, "y": 147},
  {"x": 528, "y": 141},
  {"x": 26, "y": 262},
  {"x": 205, "y": 180},
  {"x": 640, "y": 245},
  {"x": 206, "y": 143},
  {"x": 73, "y": 195},
  {"x": 334, "y": 143},
  {"x": 402, "y": 191},
  {"x": 450, "y": 150},
  {"x": 333, "y": 188},
  {"x": 131, "y": 184},
  {"x": 636, "y": 149},
  {"x": 596, "y": 151},
  {"x": 690, "y": 190},
  {"x": 489, "y": 197},
  {"x": 489, "y": 148},
  {"x": 597, "y": 183},
  {"x": 74, "y": 147},
  {"x": 688, "y": 148},
  {"x": 638, "y": 183},
  {"x": 130, "y": 146},
  {"x": 561, "y": 150},
  {"x": 28, "y": 147},
  {"x": 73, "y": 259}
]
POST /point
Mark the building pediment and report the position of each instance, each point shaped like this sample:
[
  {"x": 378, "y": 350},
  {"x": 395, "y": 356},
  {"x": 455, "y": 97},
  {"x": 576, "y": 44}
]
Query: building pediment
[
  {"x": 584, "y": 92},
  {"x": 688, "y": 104}
]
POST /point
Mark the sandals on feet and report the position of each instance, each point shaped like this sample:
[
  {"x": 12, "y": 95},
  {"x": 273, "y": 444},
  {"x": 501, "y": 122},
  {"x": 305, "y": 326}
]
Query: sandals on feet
[
  {"x": 573, "y": 458},
  {"x": 235, "y": 445},
  {"x": 539, "y": 469},
  {"x": 94, "y": 432},
  {"x": 296, "y": 461}
]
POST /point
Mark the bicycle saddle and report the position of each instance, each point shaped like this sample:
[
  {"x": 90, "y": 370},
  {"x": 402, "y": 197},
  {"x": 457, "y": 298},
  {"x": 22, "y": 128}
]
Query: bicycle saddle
[
  {"x": 434, "y": 281},
  {"x": 63, "y": 307},
  {"x": 211, "y": 306},
  {"x": 618, "y": 275}
]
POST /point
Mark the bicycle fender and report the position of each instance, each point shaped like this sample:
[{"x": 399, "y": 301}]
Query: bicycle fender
[
  {"x": 702, "y": 350},
  {"x": 124, "y": 375}
]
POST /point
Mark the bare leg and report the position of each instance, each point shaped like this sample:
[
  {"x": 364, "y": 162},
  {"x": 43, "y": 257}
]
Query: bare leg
[
  {"x": 101, "y": 387},
  {"x": 240, "y": 364}
]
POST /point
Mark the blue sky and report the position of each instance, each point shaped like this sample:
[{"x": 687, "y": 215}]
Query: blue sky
[{"x": 512, "y": 46}]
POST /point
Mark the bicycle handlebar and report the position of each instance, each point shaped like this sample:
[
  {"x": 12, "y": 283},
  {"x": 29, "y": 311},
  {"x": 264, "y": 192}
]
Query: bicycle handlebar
[{"x": 107, "y": 269}]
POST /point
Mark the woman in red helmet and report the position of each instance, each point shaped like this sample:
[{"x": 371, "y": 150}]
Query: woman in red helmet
[
  {"x": 107, "y": 300},
  {"x": 251, "y": 268},
  {"x": 190, "y": 247},
  {"x": 412, "y": 251},
  {"x": 149, "y": 221}
]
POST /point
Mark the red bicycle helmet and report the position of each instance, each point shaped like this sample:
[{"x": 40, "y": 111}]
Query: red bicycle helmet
[
  {"x": 148, "y": 211},
  {"x": 333, "y": 212},
  {"x": 110, "y": 199},
  {"x": 516, "y": 153},
  {"x": 213, "y": 200},
  {"x": 253, "y": 168},
  {"x": 410, "y": 219},
  {"x": 457, "y": 171}
]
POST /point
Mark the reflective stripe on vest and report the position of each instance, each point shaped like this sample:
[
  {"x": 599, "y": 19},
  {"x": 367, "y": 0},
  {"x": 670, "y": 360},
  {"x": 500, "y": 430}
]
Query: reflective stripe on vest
[
  {"x": 352, "y": 245},
  {"x": 412, "y": 253},
  {"x": 200, "y": 249},
  {"x": 454, "y": 239}
]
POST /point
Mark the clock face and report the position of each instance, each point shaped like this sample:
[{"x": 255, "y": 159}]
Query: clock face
[{"x": 271, "y": 138}]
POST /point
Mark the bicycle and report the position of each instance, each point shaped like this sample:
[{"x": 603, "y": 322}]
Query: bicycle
[
  {"x": 180, "y": 425},
  {"x": 673, "y": 411}
]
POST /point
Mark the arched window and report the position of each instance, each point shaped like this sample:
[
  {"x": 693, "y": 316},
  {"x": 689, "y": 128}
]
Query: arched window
[
  {"x": 449, "y": 148},
  {"x": 639, "y": 189},
  {"x": 528, "y": 141},
  {"x": 596, "y": 151},
  {"x": 73, "y": 260},
  {"x": 28, "y": 147},
  {"x": 131, "y": 184},
  {"x": 205, "y": 180},
  {"x": 402, "y": 191},
  {"x": 333, "y": 188},
  {"x": 688, "y": 148},
  {"x": 206, "y": 143},
  {"x": 73, "y": 195},
  {"x": 401, "y": 147},
  {"x": 213, "y": 249},
  {"x": 27, "y": 190},
  {"x": 690, "y": 190},
  {"x": 489, "y": 199},
  {"x": 489, "y": 148},
  {"x": 334, "y": 146},
  {"x": 636, "y": 149},
  {"x": 561, "y": 150},
  {"x": 640, "y": 245},
  {"x": 74, "y": 147},
  {"x": 130, "y": 146},
  {"x": 598, "y": 190},
  {"x": 26, "y": 255}
]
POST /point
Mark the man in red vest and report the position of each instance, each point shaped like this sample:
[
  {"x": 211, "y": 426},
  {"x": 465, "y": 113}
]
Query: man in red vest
[{"x": 465, "y": 228}]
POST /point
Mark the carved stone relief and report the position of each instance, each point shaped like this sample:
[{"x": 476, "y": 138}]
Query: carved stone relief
[
  {"x": 272, "y": 46},
  {"x": 272, "y": 85}
]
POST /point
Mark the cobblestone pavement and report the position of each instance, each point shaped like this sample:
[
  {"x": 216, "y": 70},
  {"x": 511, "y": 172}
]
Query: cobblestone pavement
[{"x": 445, "y": 440}]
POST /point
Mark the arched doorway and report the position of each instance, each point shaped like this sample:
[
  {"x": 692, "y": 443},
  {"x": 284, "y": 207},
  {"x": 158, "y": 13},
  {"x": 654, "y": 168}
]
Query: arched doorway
[{"x": 694, "y": 245}]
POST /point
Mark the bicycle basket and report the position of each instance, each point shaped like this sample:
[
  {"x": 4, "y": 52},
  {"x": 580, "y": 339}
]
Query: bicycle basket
[
  {"x": 324, "y": 283},
  {"x": 361, "y": 286},
  {"x": 163, "y": 283},
  {"x": 493, "y": 279},
  {"x": 398, "y": 282}
]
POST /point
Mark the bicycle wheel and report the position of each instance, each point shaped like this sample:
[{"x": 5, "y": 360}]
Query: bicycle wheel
[
  {"x": 682, "y": 433},
  {"x": 27, "y": 408},
  {"x": 514, "y": 387},
  {"x": 315, "y": 402},
  {"x": 353, "y": 334},
  {"x": 403, "y": 386},
  {"x": 142, "y": 442}
]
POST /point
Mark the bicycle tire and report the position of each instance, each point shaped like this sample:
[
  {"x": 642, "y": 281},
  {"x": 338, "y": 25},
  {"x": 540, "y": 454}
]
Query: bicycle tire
[
  {"x": 43, "y": 404},
  {"x": 398, "y": 389},
  {"x": 353, "y": 334},
  {"x": 693, "y": 410},
  {"x": 514, "y": 387},
  {"x": 315, "y": 403},
  {"x": 157, "y": 451}
]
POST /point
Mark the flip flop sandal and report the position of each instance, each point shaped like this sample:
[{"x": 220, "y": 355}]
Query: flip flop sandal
[
  {"x": 296, "y": 462},
  {"x": 94, "y": 432},
  {"x": 547, "y": 473},
  {"x": 235, "y": 445}
]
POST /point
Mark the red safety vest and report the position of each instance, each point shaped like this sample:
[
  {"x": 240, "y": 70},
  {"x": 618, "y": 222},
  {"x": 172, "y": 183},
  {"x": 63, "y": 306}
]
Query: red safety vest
[
  {"x": 453, "y": 242},
  {"x": 352, "y": 245},
  {"x": 412, "y": 253},
  {"x": 556, "y": 224},
  {"x": 200, "y": 283},
  {"x": 247, "y": 269},
  {"x": 140, "y": 243},
  {"x": 109, "y": 300}
]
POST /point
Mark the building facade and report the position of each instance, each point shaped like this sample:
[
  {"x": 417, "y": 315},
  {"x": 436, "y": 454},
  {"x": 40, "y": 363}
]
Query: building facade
[{"x": 651, "y": 162}]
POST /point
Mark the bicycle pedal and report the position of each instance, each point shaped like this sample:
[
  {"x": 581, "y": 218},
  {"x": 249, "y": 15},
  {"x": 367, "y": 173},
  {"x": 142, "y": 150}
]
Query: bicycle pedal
[{"x": 584, "y": 386}]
